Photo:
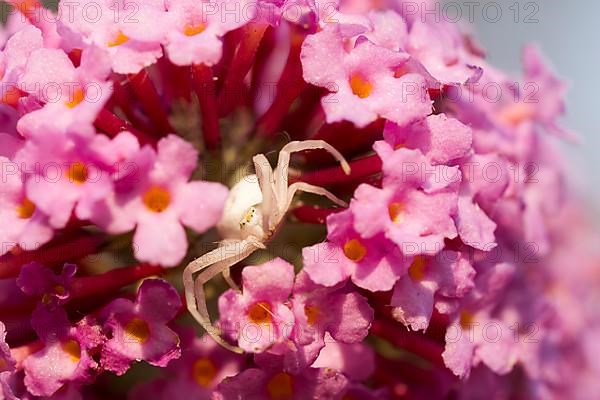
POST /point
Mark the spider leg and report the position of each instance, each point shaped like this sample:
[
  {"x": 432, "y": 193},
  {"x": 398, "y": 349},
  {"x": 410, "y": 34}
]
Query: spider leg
[
  {"x": 213, "y": 262},
  {"x": 229, "y": 280},
  {"x": 264, "y": 172},
  {"x": 281, "y": 172},
  {"x": 308, "y": 188}
]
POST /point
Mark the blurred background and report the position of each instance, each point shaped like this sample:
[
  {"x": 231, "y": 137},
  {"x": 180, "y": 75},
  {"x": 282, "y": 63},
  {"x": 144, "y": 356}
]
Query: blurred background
[{"x": 567, "y": 32}]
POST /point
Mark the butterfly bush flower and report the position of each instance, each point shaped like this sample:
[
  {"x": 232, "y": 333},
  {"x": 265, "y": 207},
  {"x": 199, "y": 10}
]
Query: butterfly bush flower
[
  {"x": 362, "y": 90},
  {"x": 23, "y": 224},
  {"x": 66, "y": 355},
  {"x": 373, "y": 264},
  {"x": 416, "y": 205},
  {"x": 260, "y": 317},
  {"x": 202, "y": 366},
  {"x": 71, "y": 97},
  {"x": 138, "y": 330},
  {"x": 127, "y": 31},
  {"x": 157, "y": 198},
  {"x": 448, "y": 275},
  {"x": 7, "y": 366},
  {"x": 198, "y": 28},
  {"x": 39, "y": 281}
]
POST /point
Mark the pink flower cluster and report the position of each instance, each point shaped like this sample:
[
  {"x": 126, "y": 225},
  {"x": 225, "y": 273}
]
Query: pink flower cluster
[{"x": 460, "y": 267}]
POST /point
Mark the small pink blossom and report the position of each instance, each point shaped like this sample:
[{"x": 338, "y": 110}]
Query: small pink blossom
[
  {"x": 260, "y": 317},
  {"x": 139, "y": 331}
]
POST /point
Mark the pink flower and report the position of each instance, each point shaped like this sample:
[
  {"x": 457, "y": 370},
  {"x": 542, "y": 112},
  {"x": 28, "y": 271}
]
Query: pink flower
[
  {"x": 260, "y": 317},
  {"x": 71, "y": 97},
  {"x": 415, "y": 207},
  {"x": 22, "y": 223},
  {"x": 7, "y": 367},
  {"x": 39, "y": 281},
  {"x": 319, "y": 310},
  {"x": 202, "y": 366},
  {"x": 139, "y": 331},
  {"x": 65, "y": 173},
  {"x": 441, "y": 139},
  {"x": 271, "y": 382},
  {"x": 363, "y": 90},
  {"x": 475, "y": 335},
  {"x": 157, "y": 199},
  {"x": 448, "y": 274},
  {"x": 13, "y": 60},
  {"x": 127, "y": 30},
  {"x": 66, "y": 355},
  {"x": 374, "y": 263},
  {"x": 198, "y": 28}
]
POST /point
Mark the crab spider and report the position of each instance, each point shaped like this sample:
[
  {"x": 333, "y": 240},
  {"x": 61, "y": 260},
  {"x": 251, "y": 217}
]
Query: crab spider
[{"x": 255, "y": 207}]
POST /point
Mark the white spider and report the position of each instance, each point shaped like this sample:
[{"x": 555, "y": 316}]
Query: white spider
[{"x": 253, "y": 211}]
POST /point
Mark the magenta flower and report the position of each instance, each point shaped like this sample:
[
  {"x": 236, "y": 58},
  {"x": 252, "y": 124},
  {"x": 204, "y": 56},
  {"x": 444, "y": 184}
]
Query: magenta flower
[
  {"x": 447, "y": 274},
  {"x": 23, "y": 224},
  {"x": 273, "y": 383},
  {"x": 362, "y": 90},
  {"x": 260, "y": 317},
  {"x": 127, "y": 31},
  {"x": 7, "y": 367},
  {"x": 139, "y": 331},
  {"x": 374, "y": 264},
  {"x": 158, "y": 199},
  {"x": 39, "y": 281},
  {"x": 202, "y": 366},
  {"x": 66, "y": 354}
]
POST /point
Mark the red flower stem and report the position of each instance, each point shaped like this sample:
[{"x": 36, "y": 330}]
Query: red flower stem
[
  {"x": 50, "y": 255},
  {"x": 335, "y": 175},
  {"x": 290, "y": 86},
  {"x": 146, "y": 93},
  {"x": 308, "y": 114},
  {"x": 413, "y": 342},
  {"x": 204, "y": 85},
  {"x": 125, "y": 100},
  {"x": 240, "y": 65},
  {"x": 112, "y": 125},
  {"x": 314, "y": 215},
  {"x": 91, "y": 286},
  {"x": 337, "y": 135},
  {"x": 176, "y": 80}
]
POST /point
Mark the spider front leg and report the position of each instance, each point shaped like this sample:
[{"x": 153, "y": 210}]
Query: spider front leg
[
  {"x": 214, "y": 262},
  {"x": 308, "y": 188},
  {"x": 281, "y": 172}
]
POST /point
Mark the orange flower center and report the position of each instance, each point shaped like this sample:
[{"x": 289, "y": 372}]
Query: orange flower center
[
  {"x": 194, "y": 29},
  {"x": 3, "y": 364},
  {"x": 73, "y": 349},
  {"x": 157, "y": 199},
  {"x": 77, "y": 173},
  {"x": 466, "y": 319},
  {"x": 312, "y": 314},
  {"x": 354, "y": 250},
  {"x": 118, "y": 40},
  {"x": 417, "y": 269},
  {"x": 396, "y": 212},
  {"x": 260, "y": 313},
  {"x": 26, "y": 209},
  {"x": 204, "y": 371},
  {"x": 77, "y": 97},
  {"x": 138, "y": 330},
  {"x": 360, "y": 86},
  {"x": 280, "y": 386}
]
